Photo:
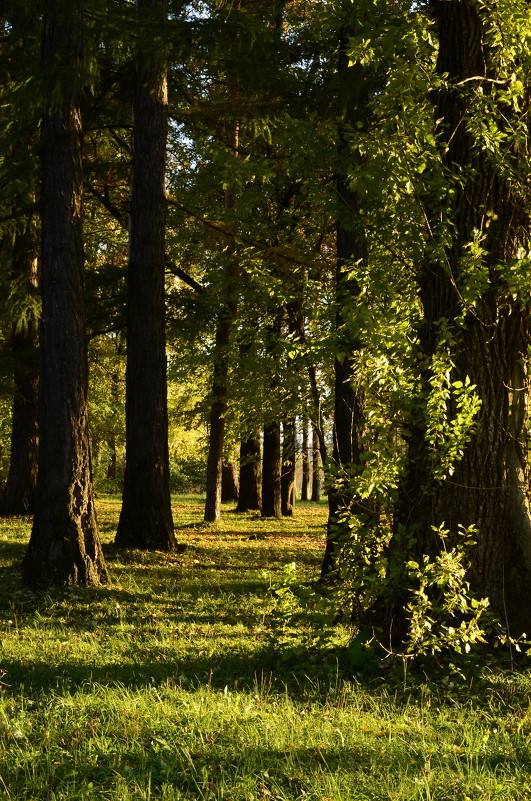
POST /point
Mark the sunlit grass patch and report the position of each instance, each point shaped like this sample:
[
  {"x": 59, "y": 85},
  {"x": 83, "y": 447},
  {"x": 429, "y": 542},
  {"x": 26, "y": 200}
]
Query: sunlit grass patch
[{"x": 169, "y": 684}]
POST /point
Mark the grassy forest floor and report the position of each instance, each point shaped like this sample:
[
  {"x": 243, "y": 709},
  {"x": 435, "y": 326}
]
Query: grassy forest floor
[{"x": 180, "y": 681}]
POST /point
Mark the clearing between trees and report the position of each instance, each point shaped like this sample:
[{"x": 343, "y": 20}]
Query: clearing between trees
[{"x": 201, "y": 675}]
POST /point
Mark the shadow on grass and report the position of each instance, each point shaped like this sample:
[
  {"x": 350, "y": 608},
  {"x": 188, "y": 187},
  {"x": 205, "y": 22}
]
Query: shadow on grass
[
  {"x": 169, "y": 587},
  {"x": 137, "y": 672},
  {"x": 371, "y": 766},
  {"x": 160, "y": 761}
]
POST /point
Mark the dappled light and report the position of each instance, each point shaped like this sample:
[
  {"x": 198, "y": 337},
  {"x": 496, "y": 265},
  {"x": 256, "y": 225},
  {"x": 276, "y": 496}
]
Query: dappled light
[{"x": 171, "y": 683}]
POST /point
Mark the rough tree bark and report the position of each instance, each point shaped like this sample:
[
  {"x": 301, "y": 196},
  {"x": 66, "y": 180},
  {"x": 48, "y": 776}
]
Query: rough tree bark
[
  {"x": 224, "y": 326},
  {"x": 226, "y": 316},
  {"x": 146, "y": 516},
  {"x": 218, "y": 407},
  {"x": 316, "y": 466},
  {"x": 271, "y": 452},
  {"x": 287, "y": 478},
  {"x": 250, "y": 495},
  {"x": 295, "y": 320},
  {"x": 64, "y": 547},
  {"x": 229, "y": 482},
  {"x": 488, "y": 488},
  {"x": 351, "y": 249},
  {"x": 271, "y": 469},
  {"x": 306, "y": 471}
]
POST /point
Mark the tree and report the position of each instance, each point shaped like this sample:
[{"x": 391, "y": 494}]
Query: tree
[
  {"x": 250, "y": 492},
  {"x": 18, "y": 494},
  {"x": 64, "y": 547},
  {"x": 146, "y": 517},
  {"x": 351, "y": 251},
  {"x": 20, "y": 50},
  {"x": 475, "y": 319},
  {"x": 218, "y": 408},
  {"x": 305, "y": 453},
  {"x": 257, "y": 238},
  {"x": 287, "y": 476},
  {"x": 226, "y": 317},
  {"x": 271, "y": 472},
  {"x": 229, "y": 482},
  {"x": 316, "y": 468}
]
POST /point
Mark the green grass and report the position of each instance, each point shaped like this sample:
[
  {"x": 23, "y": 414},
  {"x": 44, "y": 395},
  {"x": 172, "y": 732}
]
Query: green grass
[{"x": 167, "y": 685}]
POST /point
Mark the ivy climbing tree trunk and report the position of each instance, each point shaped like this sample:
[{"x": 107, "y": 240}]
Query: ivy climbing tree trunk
[
  {"x": 64, "y": 546},
  {"x": 487, "y": 340},
  {"x": 351, "y": 249},
  {"x": 146, "y": 516}
]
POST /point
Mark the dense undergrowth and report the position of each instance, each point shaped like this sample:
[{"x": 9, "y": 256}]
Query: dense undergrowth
[{"x": 180, "y": 681}]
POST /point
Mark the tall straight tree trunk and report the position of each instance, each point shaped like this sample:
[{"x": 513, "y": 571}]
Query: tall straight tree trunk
[
  {"x": 250, "y": 495},
  {"x": 218, "y": 408},
  {"x": 229, "y": 482},
  {"x": 287, "y": 478},
  {"x": 318, "y": 428},
  {"x": 224, "y": 326},
  {"x": 351, "y": 249},
  {"x": 272, "y": 453},
  {"x": 295, "y": 319},
  {"x": 146, "y": 516},
  {"x": 64, "y": 546},
  {"x": 316, "y": 466},
  {"x": 306, "y": 468},
  {"x": 488, "y": 486},
  {"x": 271, "y": 471},
  {"x": 18, "y": 495}
]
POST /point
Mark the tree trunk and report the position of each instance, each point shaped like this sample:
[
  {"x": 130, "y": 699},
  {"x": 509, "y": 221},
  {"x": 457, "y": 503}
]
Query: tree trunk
[
  {"x": 111, "y": 467},
  {"x": 316, "y": 466},
  {"x": 146, "y": 516},
  {"x": 250, "y": 495},
  {"x": 64, "y": 547},
  {"x": 488, "y": 487},
  {"x": 271, "y": 454},
  {"x": 318, "y": 432},
  {"x": 351, "y": 249},
  {"x": 271, "y": 468},
  {"x": 306, "y": 469},
  {"x": 223, "y": 334},
  {"x": 18, "y": 495},
  {"x": 218, "y": 408},
  {"x": 229, "y": 482},
  {"x": 287, "y": 478},
  {"x": 226, "y": 317}
]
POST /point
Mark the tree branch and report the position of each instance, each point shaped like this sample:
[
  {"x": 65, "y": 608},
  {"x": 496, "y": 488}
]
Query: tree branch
[
  {"x": 105, "y": 201},
  {"x": 174, "y": 270}
]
